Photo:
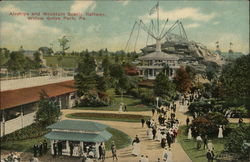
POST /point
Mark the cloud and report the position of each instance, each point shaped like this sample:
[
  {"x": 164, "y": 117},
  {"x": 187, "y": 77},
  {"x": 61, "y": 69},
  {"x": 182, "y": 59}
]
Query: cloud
[
  {"x": 194, "y": 25},
  {"x": 9, "y": 8},
  {"x": 216, "y": 22},
  {"x": 181, "y": 13},
  {"x": 123, "y": 2},
  {"x": 94, "y": 28},
  {"x": 82, "y": 6},
  {"x": 29, "y": 33},
  {"x": 239, "y": 44}
]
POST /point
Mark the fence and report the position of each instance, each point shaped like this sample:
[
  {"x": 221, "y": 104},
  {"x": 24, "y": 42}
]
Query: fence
[{"x": 17, "y": 123}]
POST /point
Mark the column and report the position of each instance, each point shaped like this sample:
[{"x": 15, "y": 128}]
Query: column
[
  {"x": 97, "y": 149},
  {"x": 3, "y": 123},
  {"x": 21, "y": 116},
  {"x": 60, "y": 102},
  {"x": 81, "y": 145},
  {"x": 51, "y": 144},
  {"x": 67, "y": 148}
]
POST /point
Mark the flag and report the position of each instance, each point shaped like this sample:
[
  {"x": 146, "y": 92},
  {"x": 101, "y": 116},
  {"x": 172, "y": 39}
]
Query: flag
[{"x": 153, "y": 10}]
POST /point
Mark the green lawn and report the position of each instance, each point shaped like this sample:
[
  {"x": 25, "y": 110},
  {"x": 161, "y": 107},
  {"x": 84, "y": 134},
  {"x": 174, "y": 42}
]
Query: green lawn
[
  {"x": 121, "y": 140},
  {"x": 101, "y": 116},
  {"x": 190, "y": 146},
  {"x": 133, "y": 104},
  {"x": 67, "y": 61},
  {"x": 22, "y": 145}
]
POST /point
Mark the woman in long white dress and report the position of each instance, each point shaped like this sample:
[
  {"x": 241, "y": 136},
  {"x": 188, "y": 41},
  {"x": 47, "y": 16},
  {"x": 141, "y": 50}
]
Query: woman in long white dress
[
  {"x": 220, "y": 134},
  {"x": 136, "y": 149},
  {"x": 158, "y": 135},
  {"x": 210, "y": 145},
  {"x": 150, "y": 134},
  {"x": 189, "y": 133}
]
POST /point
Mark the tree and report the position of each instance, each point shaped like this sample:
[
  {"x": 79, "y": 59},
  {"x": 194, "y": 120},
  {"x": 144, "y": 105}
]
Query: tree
[
  {"x": 116, "y": 71},
  {"x": 85, "y": 83},
  {"x": 37, "y": 59},
  {"x": 182, "y": 80},
  {"x": 163, "y": 86},
  {"x": 105, "y": 65},
  {"x": 212, "y": 70},
  {"x": 16, "y": 62},
  {"x": 235, "y": 78},
  {"x": 48, "y": 111},
  {"x": 87, "y": 65},
  {"x": 191, "y": 71},
  {"x": 102, "y": 83},
  {"x": 86, "y": 77},
  {"x": 59, "y": 60},
  {"x": 208, "y": 124},
  {"x": 63, "y": 42},
  {"x": 236, "y": 139},
  {"x": 4, "y": 56}
]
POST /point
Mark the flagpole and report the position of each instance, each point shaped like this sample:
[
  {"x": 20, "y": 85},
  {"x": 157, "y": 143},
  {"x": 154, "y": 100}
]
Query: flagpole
[{"x": 158, "y": 18}]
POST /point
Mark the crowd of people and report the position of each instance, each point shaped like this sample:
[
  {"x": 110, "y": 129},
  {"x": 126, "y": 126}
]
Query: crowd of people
[
  {"x": 164, "y": 132},
  {"x": 40, "y": 149},
  {"x": 12, "y": 157},
  {"x": 162, "y": 128}
]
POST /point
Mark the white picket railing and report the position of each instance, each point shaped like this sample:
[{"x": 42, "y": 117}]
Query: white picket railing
[{"x": 17, "y": 123}]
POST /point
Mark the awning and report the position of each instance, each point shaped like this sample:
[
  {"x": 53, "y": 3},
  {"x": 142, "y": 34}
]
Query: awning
[{"x": 73, "y": 136}]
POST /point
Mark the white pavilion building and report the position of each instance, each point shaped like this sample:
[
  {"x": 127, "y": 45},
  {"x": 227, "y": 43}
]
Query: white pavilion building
[{"x": 153, "y": 63}]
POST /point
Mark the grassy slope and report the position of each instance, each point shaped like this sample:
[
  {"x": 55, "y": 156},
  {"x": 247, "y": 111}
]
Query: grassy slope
[
  {"x": 22, "y": 145},
  {"x": 67, "y": 61},
  {"x": 107, "y": 119},
  {"x": 190, "y": 147},
  {"x": 121, "y": 140},
  {"x": 133, "y": 104}
]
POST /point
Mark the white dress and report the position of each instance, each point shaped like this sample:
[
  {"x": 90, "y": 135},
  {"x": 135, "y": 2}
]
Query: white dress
[
  {"x": 75, "y": 151},
  {"x": 169, "y": 155},
  {"x": 136, "y": 149},
  {"x": 220, "y": 134},
  {"x": 158, "y": 135},
  {"x": 189, "y": 133},
  {"x": 210, "y": 145},
  {"x": 150, "y": 134}
]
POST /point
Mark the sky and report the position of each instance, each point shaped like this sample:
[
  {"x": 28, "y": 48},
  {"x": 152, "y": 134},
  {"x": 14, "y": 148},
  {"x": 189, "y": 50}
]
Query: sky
[{"x": 204, "y": 21}]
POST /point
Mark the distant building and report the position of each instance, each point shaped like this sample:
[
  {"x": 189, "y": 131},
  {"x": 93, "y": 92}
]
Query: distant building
[
  {"x": 82, "y": 135},
  {"x": 153, "y": 63},
  {"x": 18, "y": 106}
]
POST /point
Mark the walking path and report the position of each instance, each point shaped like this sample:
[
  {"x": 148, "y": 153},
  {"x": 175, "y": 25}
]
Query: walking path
[{"x": 148, "y": 147}]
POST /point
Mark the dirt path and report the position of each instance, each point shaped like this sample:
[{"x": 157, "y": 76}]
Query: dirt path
[{"x": 148, "y": 147}]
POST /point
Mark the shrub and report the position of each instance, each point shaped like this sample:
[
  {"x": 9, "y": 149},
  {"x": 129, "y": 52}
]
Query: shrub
[
  {"x": 93, "y": 100},
  {"x": 134, "y": 92},
  {"x": 209, "y": 124},
  {"x": 32, "y": 131},
  {"x": 240, "y": 111},
  {"x": 235, "y": 141},
  {"x": 201, "y": 107}
]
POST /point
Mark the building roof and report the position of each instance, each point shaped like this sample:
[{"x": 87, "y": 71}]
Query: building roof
[
  {"x": 78, "y": 126},
  {"x": 73, "y": 136},
  {"x": 158, "y": 56},
  {"x": 13, "y": 98}
]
